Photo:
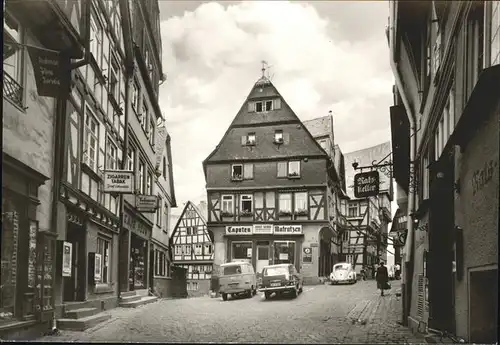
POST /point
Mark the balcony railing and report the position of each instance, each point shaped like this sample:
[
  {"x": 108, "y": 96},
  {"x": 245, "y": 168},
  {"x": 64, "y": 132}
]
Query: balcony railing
[{"x": 12, "y": 90}]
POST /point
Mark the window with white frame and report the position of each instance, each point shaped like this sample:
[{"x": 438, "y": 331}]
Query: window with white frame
[
  {"x": 152, "y": 130},
  {"x": 207, "y": 249},
  {"x": 263, "y": 106},
  {"x": 187, "y": 249},
  {"x": 362, "y": 207},
  {"x": 294, "y": 169},
  {"x": 160, "y": 263},
  {"x": 144, "y": 114},
  {"x": 353, "y": 209},
  {"x": 237, "y": 172},
  {"x": 300, "y": 202},
  {"x": 149, "y": 184},
  {"x": 250, "y": 139},
  {"x": 227, "y": 204},
  {"x": 91, "y": 139},
  {"x": 159, "y": 211},
  {"x": 198, "y": 249},
  {"x": 345, "y": 235},
  {"x": 246, "y": 203},
  {"x": 178, "y": 250},
  {"x": 135, "y": 95},
  {"x": 451, "y": 112},
  {"x": 13, "y": 57},
  {"x": 282, "y": 169},
  {"x": 103, "y": 248},
  {"x": 96, "y": 37},
  {"x": 285, "y": 203},
  {"x": 111, "y": 155},
  {"x": 495, "y": 33},
  {"x": 190, "y": 230},
  {"x": 166, "y": 226},
  {"x": 278, "y": 136},
  {"x": 131, "y": 159},
  {"x": 142, "y": 177},
  {"x": 114, "y": 78}
]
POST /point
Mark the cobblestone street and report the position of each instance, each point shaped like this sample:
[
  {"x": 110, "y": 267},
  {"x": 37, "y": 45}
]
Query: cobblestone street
[{"x": 323, "y": 313}]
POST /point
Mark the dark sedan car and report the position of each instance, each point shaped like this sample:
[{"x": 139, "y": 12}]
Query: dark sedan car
[{"x": 281, "y": 278}]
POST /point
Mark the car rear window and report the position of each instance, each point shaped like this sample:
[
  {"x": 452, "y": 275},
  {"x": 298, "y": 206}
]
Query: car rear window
[
  {"x": 275, "y": 271},
  {"x": 228, "y": 270},
  {"x": 341, "y": 267}
]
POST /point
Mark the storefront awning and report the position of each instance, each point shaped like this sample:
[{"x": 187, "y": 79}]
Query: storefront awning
[{"x": 400, "y": 132}]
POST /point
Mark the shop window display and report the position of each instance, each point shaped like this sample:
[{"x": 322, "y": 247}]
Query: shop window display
[
  {"x": 241, "y": 250},
  {"x": 284, "y": 252}
]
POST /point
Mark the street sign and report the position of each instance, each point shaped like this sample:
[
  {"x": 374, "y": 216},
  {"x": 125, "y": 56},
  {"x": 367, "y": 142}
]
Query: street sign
[{"x": 366, "y": 184}]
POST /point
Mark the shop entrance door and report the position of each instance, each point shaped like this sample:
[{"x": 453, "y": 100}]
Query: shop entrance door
[
  {"x": 262, "y": 258},
  {"x": 74, "y": 286},
  {"x": 137, "y": 273}
]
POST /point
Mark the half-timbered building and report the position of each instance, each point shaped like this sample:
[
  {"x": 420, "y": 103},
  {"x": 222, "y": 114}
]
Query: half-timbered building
[
  {"x": 267, "y": 183},
  {"x": 193, "y": 249},
  {"x": 29, "y": 166},
  {"x": 368, "y": 218}
]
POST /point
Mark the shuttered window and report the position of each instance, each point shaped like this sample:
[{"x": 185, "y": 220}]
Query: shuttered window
[
  {"x": 282, "y": 169},
  {"x": 251, "y": 107},
  {"x": 277, "y": 103},
  {"x": 248, "y": 171}
]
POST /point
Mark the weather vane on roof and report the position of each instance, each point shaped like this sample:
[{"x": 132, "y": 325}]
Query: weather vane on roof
[{"x": 266, "y": 67}]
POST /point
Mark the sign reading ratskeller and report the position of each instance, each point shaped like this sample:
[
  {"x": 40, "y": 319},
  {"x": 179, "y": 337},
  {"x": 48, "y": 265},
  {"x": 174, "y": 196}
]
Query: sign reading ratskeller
[{"x": 366, "y": 184}]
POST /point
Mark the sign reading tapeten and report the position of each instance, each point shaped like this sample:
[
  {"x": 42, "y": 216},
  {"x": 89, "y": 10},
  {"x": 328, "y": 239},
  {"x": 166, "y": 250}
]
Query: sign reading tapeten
[
  {"x": 239, "y": 230},
  {"x": 287, "y": 229}
]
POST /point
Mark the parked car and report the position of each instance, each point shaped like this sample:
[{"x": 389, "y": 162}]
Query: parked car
[
  {"x": 282, "y": 278},
  {"x": 237, "y": 278},
  {"x": 343, "y": 272}
]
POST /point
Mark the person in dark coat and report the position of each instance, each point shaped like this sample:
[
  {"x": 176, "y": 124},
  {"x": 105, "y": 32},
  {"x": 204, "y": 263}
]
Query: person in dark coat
[{"x": 382, "y": 277}]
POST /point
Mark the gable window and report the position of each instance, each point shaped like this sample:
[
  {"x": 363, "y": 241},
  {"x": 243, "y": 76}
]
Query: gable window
[
  {"x": 141, "y": 177},
  {"x": 190, "y": 230},
  {"x": 237, "y": 172},
  {"x": 246, "y": 203},
  {"x": 294, "y": 169},
  {"x": 248, "y": 171},
  {"x": 198, "y": 249},
  {"x": 285, "y": 203},
  {"x": 278, "y": 136},
  {"x": 263, "y": 106},
  {"x": 111, "y": 155},
  {"x": 207, "y": 249},
  {"x": 135, "y": 95},
  {"x": 91, "y": 140},
  {"x": 250, "y": 139}
]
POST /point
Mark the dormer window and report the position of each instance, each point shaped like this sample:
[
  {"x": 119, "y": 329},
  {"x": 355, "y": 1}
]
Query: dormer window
[
  {"x": 250, "y": 139},
  {"x": 263, "y": 106},
  {"x": 278, "y": 137}
]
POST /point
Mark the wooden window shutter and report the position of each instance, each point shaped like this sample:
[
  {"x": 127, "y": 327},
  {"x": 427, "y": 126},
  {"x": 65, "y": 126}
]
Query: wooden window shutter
[
  {"x": 282, "y": 167},
  {"x": 248, "y": 171},
  {"x": 251, "y": 106},
  {"x": 277, "y": 103},
  {"x": 243, "y": 140},
  {"x": 286, "y": 138}
]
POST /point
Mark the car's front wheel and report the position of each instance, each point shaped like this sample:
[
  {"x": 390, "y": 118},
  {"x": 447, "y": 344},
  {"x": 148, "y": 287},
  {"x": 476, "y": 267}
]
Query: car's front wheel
[{"x": 267, "y": 294}]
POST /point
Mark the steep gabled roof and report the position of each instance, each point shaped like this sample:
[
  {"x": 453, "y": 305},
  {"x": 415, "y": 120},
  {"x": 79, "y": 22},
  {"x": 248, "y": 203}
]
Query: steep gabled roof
[
  {"x": 321, "y": 127},
  {"x": 189, "y": 206},
  {"x": 263, "y": 125}
]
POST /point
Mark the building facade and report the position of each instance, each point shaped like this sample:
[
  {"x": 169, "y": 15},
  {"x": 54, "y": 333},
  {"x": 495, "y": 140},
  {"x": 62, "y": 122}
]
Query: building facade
[
  {"x": 29, "y": 171},
  {"x": 267, "y": 187},
  {"x": 445, "y": 58},
  {"x": 368, "y": 218},
  {"x": 193, "y": 249}
]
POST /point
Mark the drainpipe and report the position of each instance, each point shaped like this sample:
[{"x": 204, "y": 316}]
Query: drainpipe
[{"x": 408, "y": 253}]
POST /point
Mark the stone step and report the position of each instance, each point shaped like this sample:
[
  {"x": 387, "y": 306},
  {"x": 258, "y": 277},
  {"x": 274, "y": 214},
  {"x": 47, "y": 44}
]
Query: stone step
[
  {"x": 83, "y": 323},
  {"x": 132, "y": 298},
  {"x": 127, "y": 294},
  {"x": 80, "y": 313},
  {"x": 142, "y": 301}
]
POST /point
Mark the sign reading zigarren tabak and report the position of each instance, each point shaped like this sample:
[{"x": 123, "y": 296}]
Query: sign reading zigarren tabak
[
  {"x": 366, "y": 184},
  {"x": 146, "y": 203},
  {"x": 52, "y": 72},
  {"x": 119, "y": 181}
]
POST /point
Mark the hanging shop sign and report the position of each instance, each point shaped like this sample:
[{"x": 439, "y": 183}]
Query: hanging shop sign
[
  {"x": 52, "y": 72},
  {"x": 306, "y": 254},
  {"x": 133, "y": 224},
  {"x": 119, "y": 181},
  {"x": 146, "y": 203},
  {"x": 287, "y": 229},
  {"x": 67, "y": 258},
  {"x": 239, "y": 230},
  {"x": 366, "y": 184},
  {"x": 263, "y": 229}
]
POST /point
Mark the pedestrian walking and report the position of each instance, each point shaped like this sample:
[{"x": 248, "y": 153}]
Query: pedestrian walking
[{"x": 382, "y": 278}]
